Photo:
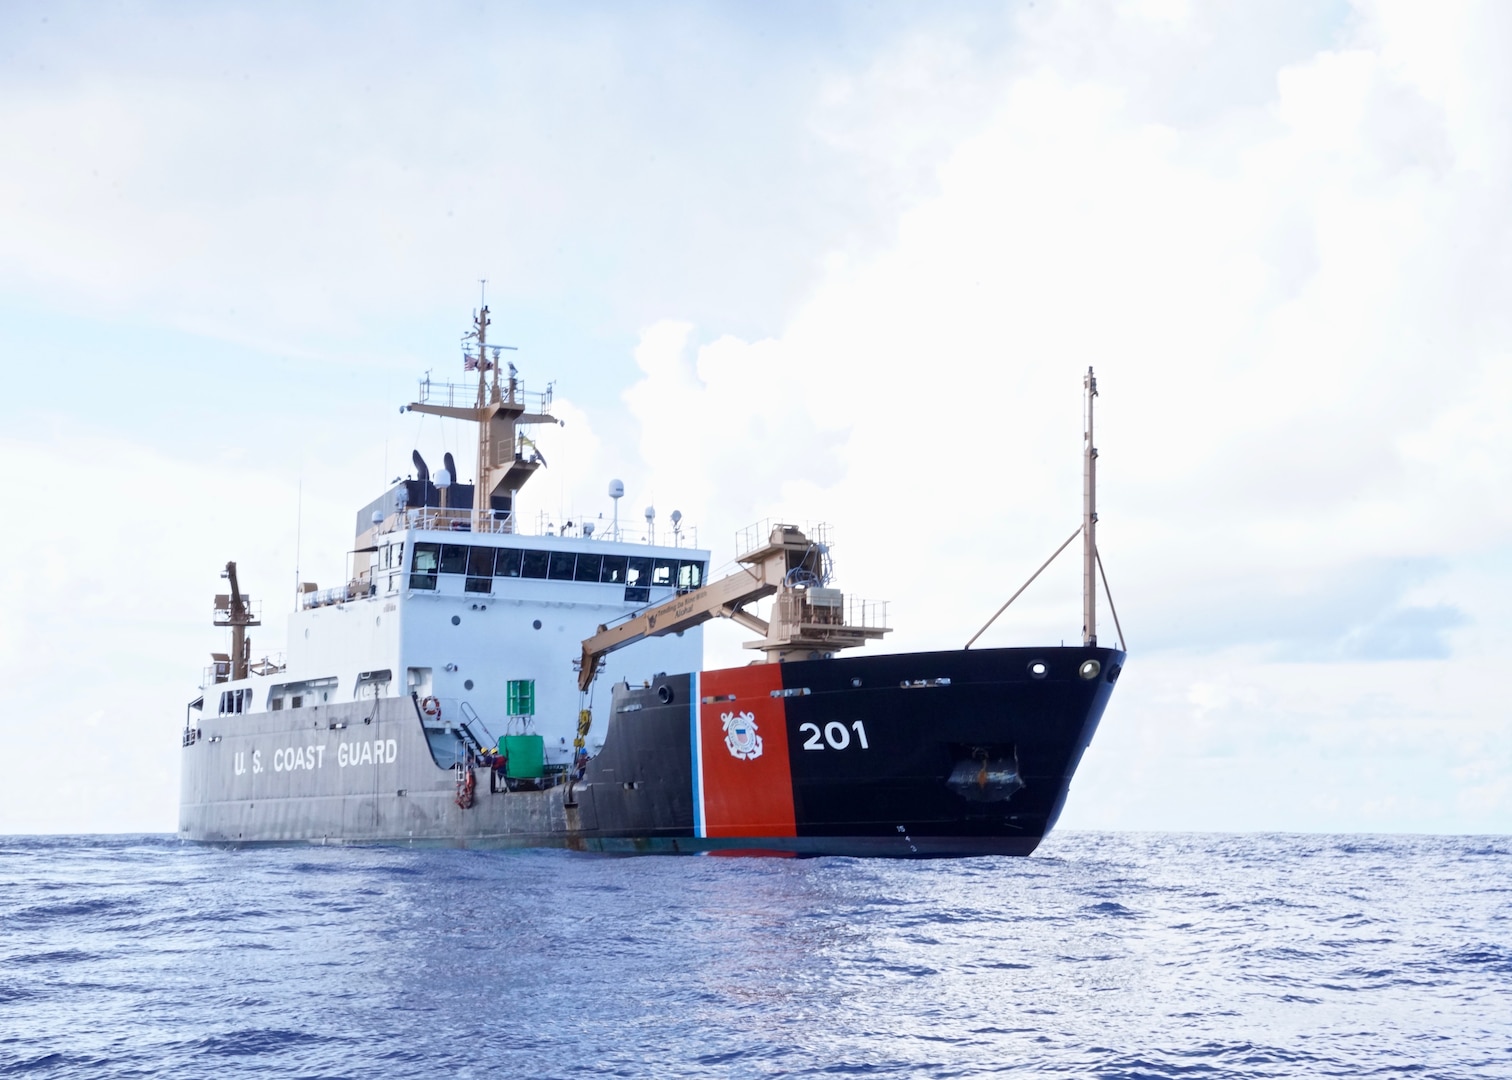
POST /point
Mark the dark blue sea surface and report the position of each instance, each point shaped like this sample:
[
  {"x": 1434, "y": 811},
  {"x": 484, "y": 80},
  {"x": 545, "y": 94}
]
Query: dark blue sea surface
[{"x": 1107, "y": 955}]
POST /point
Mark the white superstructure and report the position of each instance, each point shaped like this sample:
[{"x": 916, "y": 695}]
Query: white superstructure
[
  {"x": 424, "y": 618},
  {"x": 451, "y": 604}
]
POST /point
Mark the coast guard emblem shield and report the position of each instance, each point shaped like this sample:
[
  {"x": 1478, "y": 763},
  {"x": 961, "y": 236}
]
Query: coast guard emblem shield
[{"x": 740, "y": 735}]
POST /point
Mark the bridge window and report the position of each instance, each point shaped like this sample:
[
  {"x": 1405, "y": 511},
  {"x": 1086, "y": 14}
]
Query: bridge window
[
  {"x": 690, "y": 575},
  {"x": 453, "y": 559},
  {"x": 613, "y": 572},
  {"x": 561, "y": 565},
  {"x": 664, "y": 572},
  {"x": 588, "y": 567},
  {"x": 533, "y": 564},
  {"x": 507, "y": 562},
  {"x": 639, "y": 572},
  {"x": 235, "y": 701},
  {"x": 423, "y": 566},
  {"x": 480, "y": 562}
]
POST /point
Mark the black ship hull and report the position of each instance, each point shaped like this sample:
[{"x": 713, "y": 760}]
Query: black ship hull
[{"x": 912, "y": 755}]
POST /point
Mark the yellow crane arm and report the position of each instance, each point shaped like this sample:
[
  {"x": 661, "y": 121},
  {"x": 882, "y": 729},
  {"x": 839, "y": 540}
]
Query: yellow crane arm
[
  {"x": 807, "y": 618},
  {"x": 718, "y": 599}
]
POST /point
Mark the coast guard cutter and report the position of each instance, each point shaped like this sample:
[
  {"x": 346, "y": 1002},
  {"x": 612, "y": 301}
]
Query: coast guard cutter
[{"x": 475, "y": 685}]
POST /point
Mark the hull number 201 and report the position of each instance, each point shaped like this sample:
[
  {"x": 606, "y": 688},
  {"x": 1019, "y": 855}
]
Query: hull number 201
[{"x": 836, "y": 734}]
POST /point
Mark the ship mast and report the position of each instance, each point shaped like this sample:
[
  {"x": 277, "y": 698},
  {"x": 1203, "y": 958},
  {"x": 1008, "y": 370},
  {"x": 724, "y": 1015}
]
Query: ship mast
[
  {"x": 498, "y": 410},
  {"x": 1089, "y": 520},
  {"x": 232, "y": 610},
  {"x": 485, "y": 431}
]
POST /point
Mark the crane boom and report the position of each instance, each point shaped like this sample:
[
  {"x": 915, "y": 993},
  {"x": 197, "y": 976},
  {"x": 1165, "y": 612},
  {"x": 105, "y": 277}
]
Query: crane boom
[
  {"x": 232, "y": 610},
  {"x": 807, "y": 619}
]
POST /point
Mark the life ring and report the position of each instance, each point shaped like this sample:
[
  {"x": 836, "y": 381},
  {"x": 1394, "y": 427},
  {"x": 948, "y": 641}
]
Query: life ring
[{"x": 431, "y": 707}]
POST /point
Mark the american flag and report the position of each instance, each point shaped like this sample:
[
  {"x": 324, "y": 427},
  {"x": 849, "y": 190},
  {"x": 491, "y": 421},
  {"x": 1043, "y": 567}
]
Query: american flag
[{"x": 469, "y": 362}]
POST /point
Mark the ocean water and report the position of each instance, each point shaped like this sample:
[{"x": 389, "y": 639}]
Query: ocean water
[{"x": 1107, "y": 955}]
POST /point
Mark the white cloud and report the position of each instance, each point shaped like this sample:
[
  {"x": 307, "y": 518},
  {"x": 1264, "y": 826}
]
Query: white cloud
[{"x": 1296, "y": 323}]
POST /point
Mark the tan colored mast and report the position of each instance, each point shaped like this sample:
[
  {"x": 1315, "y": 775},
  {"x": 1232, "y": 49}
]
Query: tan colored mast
[
  {"x": 232, "y": 611},
  {"x": 486, "y": 396},
  {"x": 500, "y": 470},
  {"x": 1089, "y": 522}
]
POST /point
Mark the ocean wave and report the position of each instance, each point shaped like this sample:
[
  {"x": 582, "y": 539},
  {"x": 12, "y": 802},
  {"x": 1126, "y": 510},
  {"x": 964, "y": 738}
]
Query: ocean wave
[{"x": 1114, "y": 955}]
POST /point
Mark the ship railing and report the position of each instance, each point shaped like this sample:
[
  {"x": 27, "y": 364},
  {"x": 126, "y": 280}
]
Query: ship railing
[
  {"x": 758, "y": 534},
  {"x": 673, "y": 536},
  {"x": 871, "y": 614},
  {"x": 272, "y": 664},
  {"x": 353, "y": 590},
  {"x": 851, "y": 612},
  {"x": 449, "y": 519},
  {"x": 437, "y": 519},
  {"x": 465, "y": 395},
  {"x": 686, "y": 538},
  {"x": 220, "y": 670}
]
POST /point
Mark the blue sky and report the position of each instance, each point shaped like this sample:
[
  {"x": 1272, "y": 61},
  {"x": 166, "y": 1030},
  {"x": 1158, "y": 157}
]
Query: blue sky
[{"x": 842, "y": 262}]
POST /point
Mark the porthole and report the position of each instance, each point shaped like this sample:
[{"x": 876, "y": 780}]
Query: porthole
[
  {"x": 456, "y": 620},
  {"x": 536, "y": 624},
  {"x": 467, "y": 685},
  {"x": 1038, "y": 669},
  {"x": 1089, "y": 669}
]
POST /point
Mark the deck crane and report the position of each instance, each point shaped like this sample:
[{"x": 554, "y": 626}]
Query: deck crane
[
  {"x": 808, "y": 618},
  {"x": 232, "y": 610}
]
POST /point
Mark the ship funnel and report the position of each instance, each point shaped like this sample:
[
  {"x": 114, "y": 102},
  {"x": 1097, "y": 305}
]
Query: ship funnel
[{"x": 422, "y": 470}]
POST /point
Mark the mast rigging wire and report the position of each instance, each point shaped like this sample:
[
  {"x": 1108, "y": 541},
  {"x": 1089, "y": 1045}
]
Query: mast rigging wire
[
  {"x": 1025, "y": 585},
  {"x": 1122, "y": 647}
]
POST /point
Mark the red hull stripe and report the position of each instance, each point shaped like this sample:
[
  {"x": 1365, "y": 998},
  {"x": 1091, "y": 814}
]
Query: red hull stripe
[{"x": 741, "y": 750}]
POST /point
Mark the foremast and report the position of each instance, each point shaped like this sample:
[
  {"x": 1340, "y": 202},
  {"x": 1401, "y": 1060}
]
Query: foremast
[
  {"x": 1089, "y": 520},
  {"x": 499, "y": 409}
]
